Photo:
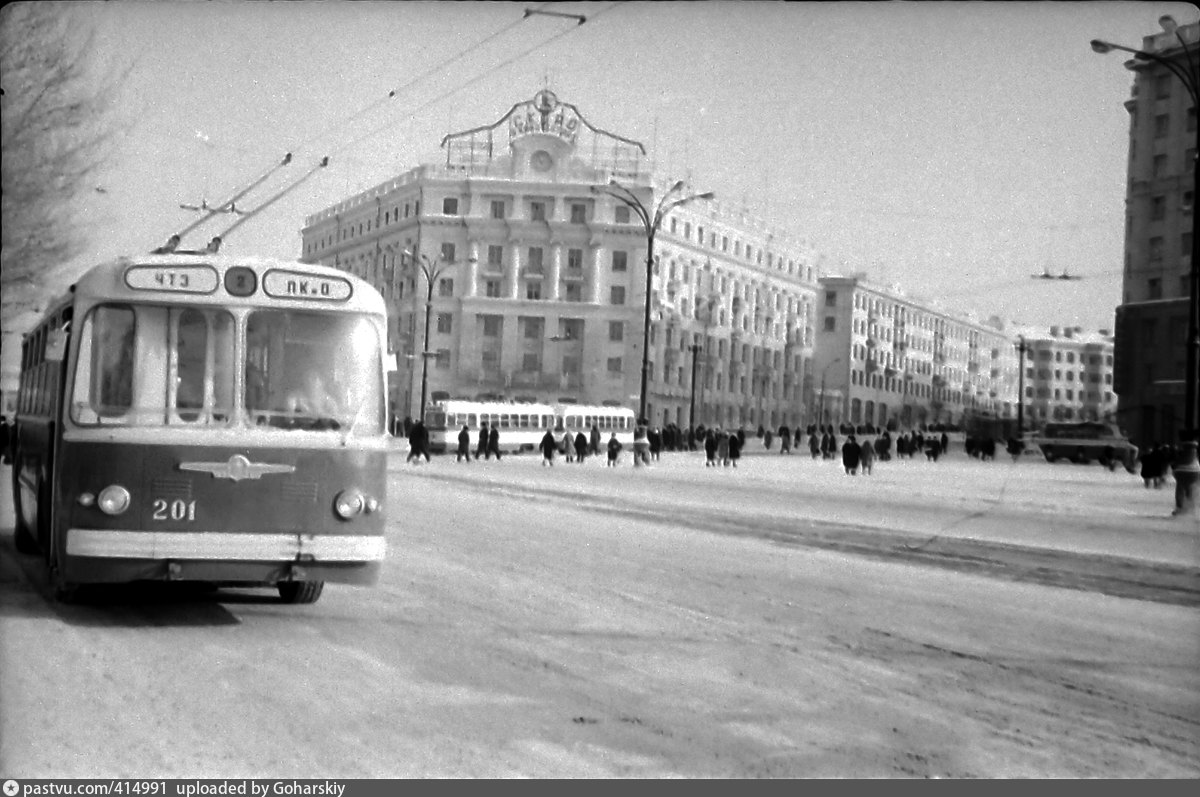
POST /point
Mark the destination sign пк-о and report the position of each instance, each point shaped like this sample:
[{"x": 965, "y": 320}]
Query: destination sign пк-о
[{"x": 281, "y": 284}]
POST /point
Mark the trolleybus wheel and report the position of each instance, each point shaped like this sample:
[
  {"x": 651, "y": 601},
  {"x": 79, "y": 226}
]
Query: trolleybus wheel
[
  {"x": 300, "y": 591},
  {"x": 23, "y": 536}
]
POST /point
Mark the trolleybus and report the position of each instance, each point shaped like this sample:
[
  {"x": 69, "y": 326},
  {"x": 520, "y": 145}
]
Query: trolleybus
[
  {"x": 1087, "y": 441},
  {"x": 203, "y": 417},
  {"x": 521, "y": 424}
]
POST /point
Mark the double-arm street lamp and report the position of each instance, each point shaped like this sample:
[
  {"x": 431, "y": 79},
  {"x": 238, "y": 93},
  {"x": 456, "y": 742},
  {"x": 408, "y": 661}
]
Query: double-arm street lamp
[
  {"x": 651, "y": 221},
  {"x": 431, "y": 269},
  {"x": 1187, "y": 467}
]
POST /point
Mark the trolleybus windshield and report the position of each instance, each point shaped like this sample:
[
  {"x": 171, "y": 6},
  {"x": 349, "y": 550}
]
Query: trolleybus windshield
[{"x": 178, "y": 365}]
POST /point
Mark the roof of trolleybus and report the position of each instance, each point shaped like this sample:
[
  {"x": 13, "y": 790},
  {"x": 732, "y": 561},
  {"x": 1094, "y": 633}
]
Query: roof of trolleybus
[
  {"x": 279, "y": 282},
  {"x": 249, "y": 287}
]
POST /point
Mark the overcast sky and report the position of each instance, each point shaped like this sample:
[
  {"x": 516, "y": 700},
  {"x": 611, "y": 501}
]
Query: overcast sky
[{"x": 953, "y": 149}]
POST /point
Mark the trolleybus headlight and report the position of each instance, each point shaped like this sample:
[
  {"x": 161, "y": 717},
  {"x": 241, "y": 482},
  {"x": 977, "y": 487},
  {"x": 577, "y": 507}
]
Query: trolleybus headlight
[
  {"x": 371, "y": 504},
  {"x": 113, "y": 500},
  {"x": 348, "y": 504},
  {"x": 86, "y": 499}
]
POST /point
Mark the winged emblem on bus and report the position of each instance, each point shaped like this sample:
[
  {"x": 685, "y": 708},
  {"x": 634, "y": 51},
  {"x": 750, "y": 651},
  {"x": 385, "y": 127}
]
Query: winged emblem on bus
[{"x": 236, "y": 468}]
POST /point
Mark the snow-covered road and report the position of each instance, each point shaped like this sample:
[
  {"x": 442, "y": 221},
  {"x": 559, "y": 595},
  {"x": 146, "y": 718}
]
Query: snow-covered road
[{"x": 958, "y": 618}]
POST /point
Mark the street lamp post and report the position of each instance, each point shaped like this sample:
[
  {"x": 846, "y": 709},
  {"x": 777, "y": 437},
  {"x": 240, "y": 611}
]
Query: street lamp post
[
  {"x": 694, "y": 349},
  {"x": 432, "y": 269},
  {"x": 1021, "y": 349},
  {"x": 1187, "y": 467},
  {"x": 651, "y": 222},
  {"x": 821, "y": 405}
]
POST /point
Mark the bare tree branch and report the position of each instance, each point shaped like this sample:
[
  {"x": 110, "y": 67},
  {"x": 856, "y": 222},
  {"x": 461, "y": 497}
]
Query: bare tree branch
[{"x": 58, "y": 131}]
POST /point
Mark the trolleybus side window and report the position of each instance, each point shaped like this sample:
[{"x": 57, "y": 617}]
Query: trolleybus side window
[
  {"x": 104, "y": 378},
  {"x": 149, "y": 365}
]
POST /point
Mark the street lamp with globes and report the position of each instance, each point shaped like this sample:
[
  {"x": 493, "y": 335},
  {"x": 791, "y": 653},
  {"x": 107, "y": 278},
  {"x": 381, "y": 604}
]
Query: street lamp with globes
[
  {"x": 1187, "y": 467},
  {"x": 651, "y": 221}
]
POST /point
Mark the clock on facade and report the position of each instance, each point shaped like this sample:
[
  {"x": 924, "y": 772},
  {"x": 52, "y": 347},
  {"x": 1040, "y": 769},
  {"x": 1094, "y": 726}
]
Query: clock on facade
[{"x": 541, "y": 160}]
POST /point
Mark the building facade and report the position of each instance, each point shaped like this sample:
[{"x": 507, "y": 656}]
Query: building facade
[
  {"x": 511, "y": 273},
  {"x": 892, "y": 361},
  {"x": 1069, "y": 376},
  {"x": 1151, "y": 322}
]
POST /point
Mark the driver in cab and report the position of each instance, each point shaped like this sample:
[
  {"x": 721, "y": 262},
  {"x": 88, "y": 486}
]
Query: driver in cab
[{"x": 313, "y": 399}]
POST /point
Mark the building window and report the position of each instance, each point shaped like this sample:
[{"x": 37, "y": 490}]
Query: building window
[
  {"x": 1162, "y": 87},
  {"x": 831, "y": 298},
  {"x": 574, "y": 259},
  {"x": 531, "y": 361},
  {"x": 445, "y": 287},
  {"x": 534, "y": 263},
  {"x": 1158, "y": 208},
  {"x": 1162, "y": 124},
  {"x": 621, "y": 214},
  {"x": 1154, "y": 288},
  {"x": 495, "y": 256},
  {"x": 444, "y": 322},
  {"x": 616, "y": 331},
  {"x": 1156, "y": 248},
  {"x": 620, "y": 261},
  {"x": 700, "y": 235},
  {"x": 616, "y": 295},
  {"x": 449, "y": 206},
  {"x": 572, "y": 292},
  {"x": 497, "y": 208},
  {"x": 537, "y": 211},
  {"x": 830, "y": 323},
  {"x": 492, "y": 325},
  {"x": 442, "y": 361},
  {"x": 724, "y": 243},
  {"x": 491, "y": 289},
  {"x": 578, "y": 213},
  {"x": 1191, "y": 119},
  {"x": 614, "y": 365},
  {"x": 533, "y": 290},
  {"x": 1160, "y": 166},
  {"x": 448, "y": 253}
]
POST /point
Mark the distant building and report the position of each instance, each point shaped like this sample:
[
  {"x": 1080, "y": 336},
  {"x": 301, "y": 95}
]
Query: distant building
[
  {"x": 1151, "y": 322},
  {"x": 1069, "y": 376},
  {"x": 539, "y": 279},
  {"x": 893, "y": 361}
]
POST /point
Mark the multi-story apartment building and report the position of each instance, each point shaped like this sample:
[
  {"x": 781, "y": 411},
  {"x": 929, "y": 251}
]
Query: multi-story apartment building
[
  {"x": 510, "y": 271},
  {"x": 889, "y": 360},
  {"x": 1069, "y": 376},
  {"x": 1152, "y": 321}
]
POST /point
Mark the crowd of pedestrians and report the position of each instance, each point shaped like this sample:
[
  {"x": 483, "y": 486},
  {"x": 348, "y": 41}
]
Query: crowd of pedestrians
[{"x": 858, "y": 448}]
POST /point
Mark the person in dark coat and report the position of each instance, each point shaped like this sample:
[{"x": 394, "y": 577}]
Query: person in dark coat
[
  {"x": 723, "y": 447},
  {"x": 785, "y": 439},
  {"x": 656, "y": 443},
  {"x": 548, "y": 446},
  {"x": 866, "y": 456},
  {"x": 736, "y": 441},
  {"x": 464, "y": 445},
  {"x": 814, "y": 445},
  {"x": 594, "y": 441},
  {"x": 567, "y": 446},
  {"x": 850, "y": 456},
  {"x": 833, "y": 444},
  {"x": 710, "y": 449},
  {"x": 494, "y": 443},
  {"x": 945, "y": 442},
  {"x": 418, "y": 442},
  {"x": 614, "y": 450},
  {"x": 581, "y": 447},
  {"x": 482, "y": 448}
]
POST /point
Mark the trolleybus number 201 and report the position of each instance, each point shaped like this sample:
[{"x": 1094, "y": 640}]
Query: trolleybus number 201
[{"x": 174, "y": 510}]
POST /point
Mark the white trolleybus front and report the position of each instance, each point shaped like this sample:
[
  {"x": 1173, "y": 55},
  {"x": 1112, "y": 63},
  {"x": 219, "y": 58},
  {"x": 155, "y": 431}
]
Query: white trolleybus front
[{"x": 202, "y": 417}]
